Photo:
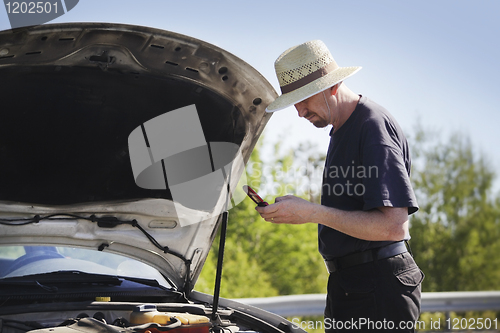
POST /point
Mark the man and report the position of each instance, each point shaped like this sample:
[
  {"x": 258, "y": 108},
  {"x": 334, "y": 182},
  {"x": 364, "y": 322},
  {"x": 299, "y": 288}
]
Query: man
[{"x": 374, "y": 283}]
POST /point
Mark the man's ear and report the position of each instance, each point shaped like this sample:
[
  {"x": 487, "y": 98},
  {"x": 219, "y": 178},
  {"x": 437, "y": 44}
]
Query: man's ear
[{"x": 335, "y": 88}]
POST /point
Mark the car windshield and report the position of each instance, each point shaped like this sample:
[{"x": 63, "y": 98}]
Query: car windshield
[{"x": 16, "y": 261}]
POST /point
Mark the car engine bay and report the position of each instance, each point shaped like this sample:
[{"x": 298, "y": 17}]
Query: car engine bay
[{"x": 104, "y": 316}]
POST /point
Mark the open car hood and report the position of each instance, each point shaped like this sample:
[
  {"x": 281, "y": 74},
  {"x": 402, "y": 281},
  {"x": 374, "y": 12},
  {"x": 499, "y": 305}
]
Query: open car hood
[{"x": 85, "y": 119}]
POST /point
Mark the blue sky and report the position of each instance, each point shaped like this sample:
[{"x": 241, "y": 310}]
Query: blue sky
[{"x": 430, "y": 61}]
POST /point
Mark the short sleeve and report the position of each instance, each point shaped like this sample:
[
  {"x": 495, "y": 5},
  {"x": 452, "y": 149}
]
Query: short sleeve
[{"x": 387, "y": 181}]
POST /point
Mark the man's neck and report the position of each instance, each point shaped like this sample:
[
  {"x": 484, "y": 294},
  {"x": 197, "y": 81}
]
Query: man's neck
[{"x": 347, "y": 101}]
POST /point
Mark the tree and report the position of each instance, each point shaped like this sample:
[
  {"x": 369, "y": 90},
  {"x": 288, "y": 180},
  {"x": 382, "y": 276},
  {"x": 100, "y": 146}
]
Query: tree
[
  {"x": 242, "y": 274},
  {"x": 264, "y": 259},
  {"x": 455, "y": 234},
  {"x": 456, "y": 231}
]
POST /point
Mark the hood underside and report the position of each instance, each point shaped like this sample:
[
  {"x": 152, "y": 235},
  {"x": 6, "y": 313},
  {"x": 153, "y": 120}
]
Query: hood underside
[{"x": 72, "y": 94}]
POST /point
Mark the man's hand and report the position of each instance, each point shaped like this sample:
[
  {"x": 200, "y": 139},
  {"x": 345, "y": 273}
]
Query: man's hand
[
  {"x": 380, "y": 224},
  {"x": 288, "y": 209}
]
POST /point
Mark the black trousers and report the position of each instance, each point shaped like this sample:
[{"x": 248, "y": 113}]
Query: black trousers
[{"x": 382, "y": 296}]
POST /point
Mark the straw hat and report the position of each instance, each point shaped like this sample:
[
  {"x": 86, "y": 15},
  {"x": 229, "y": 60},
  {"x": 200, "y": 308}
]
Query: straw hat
[{"x": 305, "y": 70}]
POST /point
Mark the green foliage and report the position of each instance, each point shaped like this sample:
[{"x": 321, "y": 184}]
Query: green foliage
[
  {"x": 263, "y": 259},
  {"x": 456, "y": 232}
]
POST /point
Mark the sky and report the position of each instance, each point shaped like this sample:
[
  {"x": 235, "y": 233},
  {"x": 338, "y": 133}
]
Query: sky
[{"x": 433, "y": 62}]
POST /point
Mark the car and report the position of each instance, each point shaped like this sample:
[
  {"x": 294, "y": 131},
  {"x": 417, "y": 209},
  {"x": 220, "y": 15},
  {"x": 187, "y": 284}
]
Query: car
[{"x": 122, "y": 150}]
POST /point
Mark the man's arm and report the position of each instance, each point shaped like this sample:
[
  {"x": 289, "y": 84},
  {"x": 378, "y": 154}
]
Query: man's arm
[{"x": 381, "y": 224}]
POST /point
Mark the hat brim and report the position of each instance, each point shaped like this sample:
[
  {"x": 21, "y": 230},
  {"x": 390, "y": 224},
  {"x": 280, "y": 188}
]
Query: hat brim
[{"x": 311, "y": 89}]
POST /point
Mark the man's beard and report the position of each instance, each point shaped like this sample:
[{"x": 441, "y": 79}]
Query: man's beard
[{"x": 319, "y": 122}]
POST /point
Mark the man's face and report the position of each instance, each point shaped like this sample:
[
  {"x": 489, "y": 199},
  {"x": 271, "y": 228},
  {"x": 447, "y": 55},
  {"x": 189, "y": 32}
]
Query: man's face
[{"x": 315, "y": 110}]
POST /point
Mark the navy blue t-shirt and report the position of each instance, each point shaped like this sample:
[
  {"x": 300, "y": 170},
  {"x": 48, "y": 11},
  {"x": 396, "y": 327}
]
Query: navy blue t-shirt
[{"x": 367, "y": 166}]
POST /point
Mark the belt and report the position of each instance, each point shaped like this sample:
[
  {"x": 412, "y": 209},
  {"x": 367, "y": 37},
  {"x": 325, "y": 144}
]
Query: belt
[{"x": 333, "y": 265}]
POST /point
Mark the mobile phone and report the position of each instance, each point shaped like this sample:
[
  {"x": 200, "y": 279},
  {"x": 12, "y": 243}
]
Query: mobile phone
[{"x": 254, "y": 196}]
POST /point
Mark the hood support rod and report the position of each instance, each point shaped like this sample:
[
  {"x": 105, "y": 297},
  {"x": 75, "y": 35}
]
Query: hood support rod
[{"x": 220, "y": 259}]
